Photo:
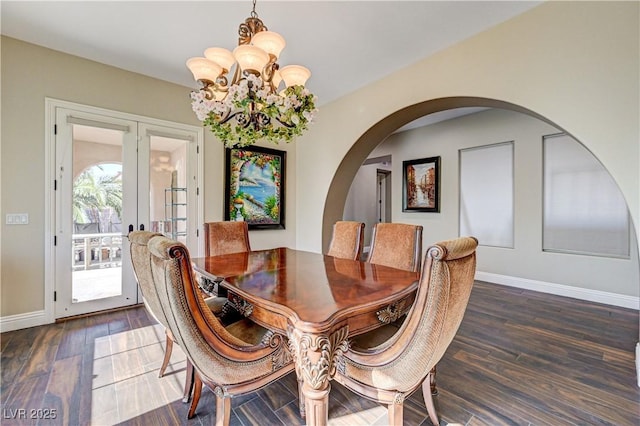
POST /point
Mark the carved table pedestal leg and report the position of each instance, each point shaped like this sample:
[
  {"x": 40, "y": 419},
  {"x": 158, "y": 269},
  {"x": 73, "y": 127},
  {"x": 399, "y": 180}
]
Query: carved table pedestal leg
[
  {"x": 315, "y": 356},
  {"x": 316, "y": 403}
]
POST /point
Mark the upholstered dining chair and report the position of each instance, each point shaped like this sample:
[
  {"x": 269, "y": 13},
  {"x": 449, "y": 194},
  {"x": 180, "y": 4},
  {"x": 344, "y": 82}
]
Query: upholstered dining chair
[
  {"x": 141, "y": 260},
  {"x": 347, "y": 240},
  {"x": 223, "y": 238},
  {"x": 395, "y": 364},
  {"x": 231, "y": 360},
  {"x": 397, "y": 245},
  {"x": 226, "y": 237}
]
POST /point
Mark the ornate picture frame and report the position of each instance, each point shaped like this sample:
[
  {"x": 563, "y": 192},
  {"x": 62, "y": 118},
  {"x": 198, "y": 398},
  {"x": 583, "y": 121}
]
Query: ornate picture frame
[
  {"x": 255, "y": 186},
  {"x": 421, "y": 185}
]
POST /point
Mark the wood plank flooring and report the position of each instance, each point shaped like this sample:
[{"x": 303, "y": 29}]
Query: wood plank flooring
[{"x": 519, "y": 358}]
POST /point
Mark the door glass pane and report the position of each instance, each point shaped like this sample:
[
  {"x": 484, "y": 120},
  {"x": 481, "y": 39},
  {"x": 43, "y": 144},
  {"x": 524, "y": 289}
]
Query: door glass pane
[
  {"x": 97, "y": 212},
  {"x": 168, "y": 187}
]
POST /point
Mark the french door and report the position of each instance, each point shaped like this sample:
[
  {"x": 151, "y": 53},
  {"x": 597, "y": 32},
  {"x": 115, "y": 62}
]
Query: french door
[{"x": 114, "y": 174}]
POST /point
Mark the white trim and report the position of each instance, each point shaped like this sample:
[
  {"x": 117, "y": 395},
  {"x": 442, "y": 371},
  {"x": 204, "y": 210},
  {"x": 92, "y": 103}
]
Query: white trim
[
  {"x": 93, "y": 123},
  {"x": 200, "y": 191},
  {"x": 20, "y": 321},
  {"x": 51, "y": 104},
  {"x": 597, "y": 296},
  {"x": 638, "y": 362},
  {"x": 49, "y": 210},
  {"x": 151, "y": 132},
  {"x": 121, "y": 115}
]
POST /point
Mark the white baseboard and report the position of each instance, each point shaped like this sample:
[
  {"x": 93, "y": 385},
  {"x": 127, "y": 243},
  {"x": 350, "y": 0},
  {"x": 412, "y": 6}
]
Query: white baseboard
[
  {"x": 638, "y": 362},
  {"x": 597, "y": 296},
  {"x": 16, "y": 322}
]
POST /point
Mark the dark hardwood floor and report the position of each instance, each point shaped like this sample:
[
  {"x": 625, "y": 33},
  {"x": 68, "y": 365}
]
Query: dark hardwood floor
[{"x": 520, "y": 357}]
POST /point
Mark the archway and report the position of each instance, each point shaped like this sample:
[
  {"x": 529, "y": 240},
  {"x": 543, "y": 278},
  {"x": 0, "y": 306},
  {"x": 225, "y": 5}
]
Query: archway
[
  {"x": 337, "y": 193},
  {"x": 531, "y": 261}
]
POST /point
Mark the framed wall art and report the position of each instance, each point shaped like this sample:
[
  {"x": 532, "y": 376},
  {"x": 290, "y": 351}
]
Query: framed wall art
[
  {"x": 255, "y": 186},
  {"x": 421, "y": 185}
]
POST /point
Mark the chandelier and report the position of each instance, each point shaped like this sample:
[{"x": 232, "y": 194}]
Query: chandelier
[{"x": 241, "y": 100}]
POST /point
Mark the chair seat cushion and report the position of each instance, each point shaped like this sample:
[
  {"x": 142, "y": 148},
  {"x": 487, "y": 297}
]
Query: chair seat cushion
[
  {"x": 247, "y": 331},
  {"x": 216, "y": 304},
  {"x": 374, "y": 338}
]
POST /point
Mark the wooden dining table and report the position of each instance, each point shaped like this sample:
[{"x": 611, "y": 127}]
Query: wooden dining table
[{"x": 317, "y": 301}]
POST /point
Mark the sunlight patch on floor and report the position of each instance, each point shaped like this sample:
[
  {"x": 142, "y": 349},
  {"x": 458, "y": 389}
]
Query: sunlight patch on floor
[{"x": 125, "y": 382}]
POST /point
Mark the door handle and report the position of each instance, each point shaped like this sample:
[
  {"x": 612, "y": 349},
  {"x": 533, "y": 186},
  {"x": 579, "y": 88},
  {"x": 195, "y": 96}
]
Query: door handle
[
  {"x": 141, "y": 227},
  {"x": 130, "y": 228}
]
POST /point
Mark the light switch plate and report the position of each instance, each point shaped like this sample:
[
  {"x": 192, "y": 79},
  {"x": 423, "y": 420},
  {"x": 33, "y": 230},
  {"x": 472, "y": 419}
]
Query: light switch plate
[{"x": 17, "y": 219}]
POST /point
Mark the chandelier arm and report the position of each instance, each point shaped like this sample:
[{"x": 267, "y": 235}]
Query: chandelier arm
[
  {"x": 230, "y": 116},
  {"x": 260, "y": 119},
  {"x": 249, "y": 28},
  {"x": 222, "y": 84},
  {"x": 207, "y": 88},
  {"x": 285, "y": 124},
  {"x": 269, "y": 71}
]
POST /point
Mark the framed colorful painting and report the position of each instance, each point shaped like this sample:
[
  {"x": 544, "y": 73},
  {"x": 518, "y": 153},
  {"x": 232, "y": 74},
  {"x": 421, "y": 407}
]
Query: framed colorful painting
[
  {"x": 254, "y": 186},
  {"x": 421, "y": 185}
]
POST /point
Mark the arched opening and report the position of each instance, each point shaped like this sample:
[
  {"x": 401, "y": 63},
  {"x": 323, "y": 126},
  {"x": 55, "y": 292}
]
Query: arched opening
[
  {"x": 374, "y": 136},
  {"x": 354, "y": 158}
]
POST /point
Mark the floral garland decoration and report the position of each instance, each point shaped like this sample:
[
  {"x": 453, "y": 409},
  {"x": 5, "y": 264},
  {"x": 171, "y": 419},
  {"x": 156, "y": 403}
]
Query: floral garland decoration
[{"x": 294, "y": 109}]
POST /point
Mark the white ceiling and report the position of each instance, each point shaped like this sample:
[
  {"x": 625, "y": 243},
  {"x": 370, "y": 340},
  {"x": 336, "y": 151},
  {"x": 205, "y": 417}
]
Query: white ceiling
[{"x": 345, "y": 44}]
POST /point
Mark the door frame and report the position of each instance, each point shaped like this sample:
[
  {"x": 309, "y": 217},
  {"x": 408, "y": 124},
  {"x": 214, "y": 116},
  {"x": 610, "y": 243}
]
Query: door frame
[
  {"x": 383, "y": 192},
  {"x": 51, "y": 104}
]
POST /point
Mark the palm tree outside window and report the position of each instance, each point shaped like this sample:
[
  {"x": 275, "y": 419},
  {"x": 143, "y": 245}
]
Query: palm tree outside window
[
  {"x": 97, "y": 209},
  {"x": 97, "y": 197}
]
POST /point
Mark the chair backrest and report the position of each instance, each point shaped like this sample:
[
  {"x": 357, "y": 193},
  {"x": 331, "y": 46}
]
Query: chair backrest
[
  {"x": 441, "y": 300},
  {"x": 347, "y": 240},
  {"x": 445, "y": 288},
  {"x": 217, "y": 355},
  {"x": 141, "y": 261},
  {"x": 226, "y": 237},
  {"x": 397, "y": 245}
]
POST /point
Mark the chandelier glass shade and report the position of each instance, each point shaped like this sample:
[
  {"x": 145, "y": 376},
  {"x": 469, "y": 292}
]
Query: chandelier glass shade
[{"x": 245, "y": 96}]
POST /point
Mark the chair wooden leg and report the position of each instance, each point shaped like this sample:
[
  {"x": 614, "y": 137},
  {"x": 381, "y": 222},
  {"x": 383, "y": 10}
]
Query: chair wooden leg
[
  {"x": 197, "y": 391},
  {"x": 168, "y": 348},
  {"x": 428, "y": 400},
  {"x": 395, "y": 414},
  {"x": 223, "y": 410},
  {"x": 432, "y": 381},
  {"x": 188, "y": 382}
]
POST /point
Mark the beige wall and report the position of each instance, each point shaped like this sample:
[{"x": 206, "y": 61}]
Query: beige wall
[
  {"x": 573, "y": 63},
  {"x": 29, "y": 74}
]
